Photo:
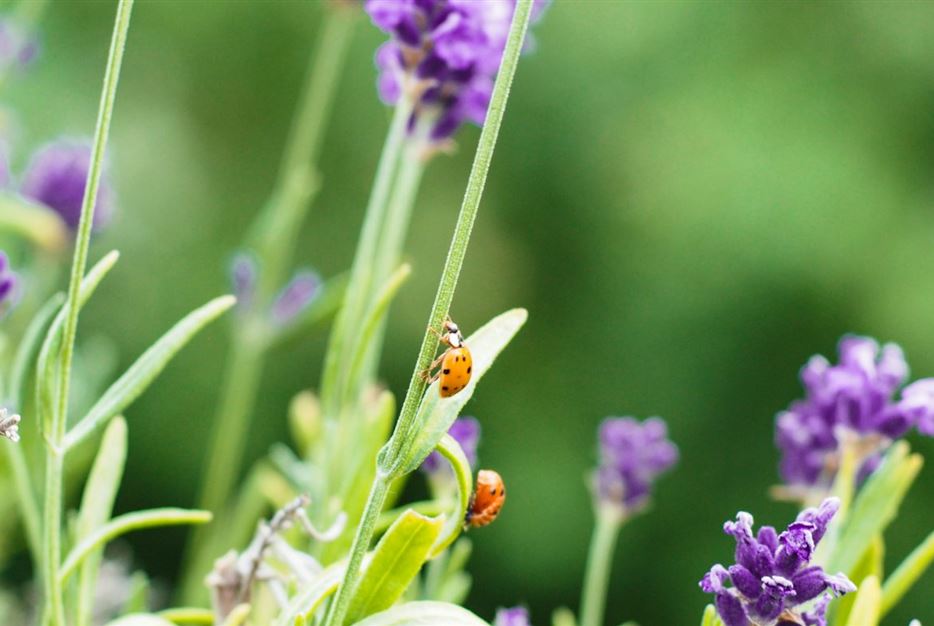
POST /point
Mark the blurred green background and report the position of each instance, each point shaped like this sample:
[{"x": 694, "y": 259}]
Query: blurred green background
[{"x": 690, "y": 199}]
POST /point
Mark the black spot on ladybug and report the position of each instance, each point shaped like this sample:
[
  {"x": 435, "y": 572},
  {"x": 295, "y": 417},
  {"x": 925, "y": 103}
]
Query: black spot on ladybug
[
  {"x": 446, "y": 372},
  {"x": 469, "y": 368},
  {"x": 456, "y": 358},
  {"x": 493, "y": 491},
  {"x": 445, "y": 388}
]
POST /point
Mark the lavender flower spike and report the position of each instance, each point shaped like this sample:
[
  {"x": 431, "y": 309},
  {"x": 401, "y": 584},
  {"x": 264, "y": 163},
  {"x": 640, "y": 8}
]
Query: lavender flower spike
[
  {"x": 632, "y": 456},
  {"x": 296, "y": 296},
  {"x": 445, "y": 53},
  {"x": 772, "y": 576},
  {"x": 466, "y": 430},
  {"x": 56, "y": 177},
  {"x": 516, "y": 616},
  {"x": 857, "y": 398},
  {"x": 7, "y": 283},
  {"x": 9, "y": 425}
]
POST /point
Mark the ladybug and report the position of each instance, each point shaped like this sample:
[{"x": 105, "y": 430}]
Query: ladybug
[
  {"x": 456, "y": 363},
  {"x": 487, "y": 500}
]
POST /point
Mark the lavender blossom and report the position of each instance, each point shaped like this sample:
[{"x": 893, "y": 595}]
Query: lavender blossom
[
  {"x": 446, "y": 52},
  {"x": 466, "y": 430},
  {"x": 515, "y": 616},
  {"x": 243, "y": 276},
  {"x": 56, "y": 177},
  {"x": 18, "y": 47},
  {"x": 857, "y": 398},
  {"x": 296, "y": 296},
  {"x": 772, "y": 577},
  {"x": 7, "y": 283},
  {"x": 632, "y": 455}
]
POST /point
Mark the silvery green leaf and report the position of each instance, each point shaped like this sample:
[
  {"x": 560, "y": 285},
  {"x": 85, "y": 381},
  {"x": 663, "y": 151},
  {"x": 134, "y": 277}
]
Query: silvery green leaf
[
  {"x": 141, "y": 619},
  {"x": 141, "y": 374},
  {"x": 46, "y": 370},
  {"x": 304, "y": 604},
  {"x": 397, "y": 559},
  {"x": 29, "y": 346},
  {"x": 97, "y": 502},
  {"x": 868, "y": 602},
  {"x": 436, "y": 414},
  {"x": 907, "y": 574},
  {"x": 424, "y": 614},
  {"x": 875, "y": 507},
  {"x": 124, "y": 524}
]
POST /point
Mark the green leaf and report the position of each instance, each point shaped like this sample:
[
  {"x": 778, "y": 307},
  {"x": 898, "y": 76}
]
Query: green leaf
[
  {"x": 29, "y": 346},
  {"x": 452, "y": 451},
  {"x": 871, "y": 564},
  {"x": 907, "y": 574},
  {"x": 304, "y": 604},
  {"x": 436, "y": 414},
  {"x": 141, "y": 374},
  {"x": 100, "y": 491},
  {"x": 424, "y": 614},
  {"x": 710, "y": 617},
  {"x": 46, "y": 372},
  {"x": 875, "y": 507},
  {"x": 238, "y": 616},
  {"x": 140, "y": 619},
  {"x": 397, "y": 559},
  {"x": 124, "y": 524},
  {"x": 138, "y": 599},
  {"x": 188, "y": 615},
  {"x": 868, "y": 600}
]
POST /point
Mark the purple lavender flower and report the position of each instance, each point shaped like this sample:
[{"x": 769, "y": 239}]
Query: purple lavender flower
[
  {"x": 466, "y": 430},
  {"x": 18, "y": 47},
  {"x": 243, "y": 276},
  {"x": 296, "y": 296},
  {"x": 772, "y": 577},
  {"x": 447, "y": 50},
  {"x": 56, "y": 177},
  {"x": 857, "y": 396},
  {"x": 515, "y": 616},
  {"x": 7, "y": 283},
  {"x": 632, "y": 455}
]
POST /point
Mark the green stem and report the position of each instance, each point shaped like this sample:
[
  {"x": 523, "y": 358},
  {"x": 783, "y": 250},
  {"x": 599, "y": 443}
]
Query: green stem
[
  {"x": 465, "y": 221},
  {"x": 452, "y": 268},
  {"x": 599, "y": 561},
  {"x": 54, "y": 609}
]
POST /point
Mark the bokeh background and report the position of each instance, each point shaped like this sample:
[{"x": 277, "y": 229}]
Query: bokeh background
[{"x": 690, "y": 199}]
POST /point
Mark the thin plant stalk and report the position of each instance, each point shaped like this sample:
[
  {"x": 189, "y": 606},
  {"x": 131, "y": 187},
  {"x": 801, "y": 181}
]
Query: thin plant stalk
[
  {"x": 276, "y": 234},
  {"x": 452, "y": 267},
  {"x": 54, "y": 608},
  {"x": 599, "y": 562}
]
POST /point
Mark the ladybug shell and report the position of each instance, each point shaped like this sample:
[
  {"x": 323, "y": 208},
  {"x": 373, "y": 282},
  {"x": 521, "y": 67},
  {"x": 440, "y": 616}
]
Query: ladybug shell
[
  {"x": 488, "y": 499},
  {"x": 456, "y": 367}
]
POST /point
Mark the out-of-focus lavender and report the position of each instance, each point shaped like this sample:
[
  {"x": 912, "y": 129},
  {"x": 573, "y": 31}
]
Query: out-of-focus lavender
[
  {"x": 772, "y": 577},
  {"x": 857, "y": 399},
  {"x": 632, "y": 455},
  {"x": 466, "y": 431},
  {"x": 56, "y": 177},
  {"x": 19, "y": 47},
  {"x": 444, "y": 52},
  {"x": 7, "y": 283},
  {"x": 515, "y": 616},
  {"x": 296, "y": 296}
]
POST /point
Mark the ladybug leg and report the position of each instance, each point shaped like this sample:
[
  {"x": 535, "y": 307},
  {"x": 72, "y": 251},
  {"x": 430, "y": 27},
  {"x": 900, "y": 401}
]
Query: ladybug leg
[{"x": 426, "y": 373}]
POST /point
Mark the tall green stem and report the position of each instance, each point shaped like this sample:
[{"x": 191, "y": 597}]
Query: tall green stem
[
  {"x": 452, "y": 267},
  {"x": 599, "y": 561},
  {"x": 275, "y": 233},
  {"x": 54, "y": 609}
]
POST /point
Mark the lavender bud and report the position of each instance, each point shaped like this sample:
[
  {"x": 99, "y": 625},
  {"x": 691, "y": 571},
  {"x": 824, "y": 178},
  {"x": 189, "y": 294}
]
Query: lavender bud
[
  {"x": 466, "y": 430},
  {"x": 515, "y": 616},
  {"x": 296, "y": 296}
]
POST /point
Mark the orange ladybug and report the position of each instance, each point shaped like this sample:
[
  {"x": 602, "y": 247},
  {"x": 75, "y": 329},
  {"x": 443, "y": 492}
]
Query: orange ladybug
[
  {"x": 487, "y": 500},
  {"x": 456, "y": 363}
]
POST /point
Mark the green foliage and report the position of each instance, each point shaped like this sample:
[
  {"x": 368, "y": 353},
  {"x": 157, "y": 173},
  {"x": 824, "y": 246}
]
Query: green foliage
[
  {"x": 397, "y": 559},
  {"x": 868, "y": 601},
  {"x": 907, "y": 574},
  {"x": 424, "y": 614}
]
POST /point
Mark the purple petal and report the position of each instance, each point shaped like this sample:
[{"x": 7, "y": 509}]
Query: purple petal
[
  {"x": 731, "y": 610},
  {"x": 745, "y": 581},
  {"x": 712, "y": 582}
]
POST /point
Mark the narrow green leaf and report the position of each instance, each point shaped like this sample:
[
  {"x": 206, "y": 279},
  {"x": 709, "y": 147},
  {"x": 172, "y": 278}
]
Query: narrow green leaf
[
  {"x": 29, "y": 346},
  {"x": 140, "y": 619},
  {"x": 452, "y": 451},
  {"x": 871, "y": 564},
  {"x": 397, "y": 559},
  {"x": 238, "y": 616},
  {"x": 563, "y": 616},
  {"x": 100, "y": 491},
  {"x": 436, "y": 414},
  {"x": 304, "y": 604},
  {"x": 424, "y": 614},
  {"x": 141, "y": 374},
  {"x": 710, "y": 617},
  {"x": 875, "y": 506},
  {"x": 138, "y": 598},
  {"x": 187, "y": 615},
  {"x": 124, "y": 524},
  {"x": 868, "y": 601},
  {"x": 46, "y": 373},
  {"x": 907, "y": 574}
]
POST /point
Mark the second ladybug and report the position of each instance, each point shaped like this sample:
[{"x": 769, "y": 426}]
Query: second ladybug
[{"x": 488, "y": 499}]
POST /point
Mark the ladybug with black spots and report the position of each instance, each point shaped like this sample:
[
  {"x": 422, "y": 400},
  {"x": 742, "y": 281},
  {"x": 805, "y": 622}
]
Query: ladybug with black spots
[
  {"x": 488, "y": 499},
  {"x": 455, "y": 365}
]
